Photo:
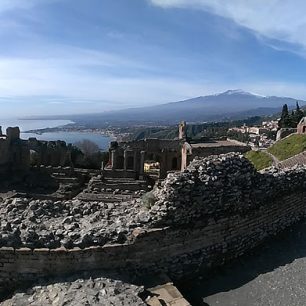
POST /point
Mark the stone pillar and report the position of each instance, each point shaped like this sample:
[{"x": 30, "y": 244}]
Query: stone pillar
[
  {"x": 182, "y": 130},
  {"x": 135, "y": 161},
  {"x": 163, "y": 165},
  {"x": 13, "y": 133},
  {"x": 125, "y": 156},
  {"x": 113, "y": 157},
  {"x": 142, "y": 160}
]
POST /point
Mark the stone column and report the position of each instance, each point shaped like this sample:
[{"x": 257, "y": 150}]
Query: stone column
[
  {"x": 125, "y": 156},
  {"x": 142, "y": 160},
  {"x": 113, "y": 156},
  {"x": 163, "y": 165},
  {"x": 135, "y": 161}
]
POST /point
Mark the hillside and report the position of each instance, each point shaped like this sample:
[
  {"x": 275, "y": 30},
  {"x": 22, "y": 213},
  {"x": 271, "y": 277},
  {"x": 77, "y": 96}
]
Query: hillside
[
  {"x": 259, "y": 159},
  {"x": 229, "y": 105},
  {"x": 288, "y": 147}
]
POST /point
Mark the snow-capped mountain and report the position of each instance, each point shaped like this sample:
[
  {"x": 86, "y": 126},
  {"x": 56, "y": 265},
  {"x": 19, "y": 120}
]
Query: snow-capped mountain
[{"x": 231, "y": 104}]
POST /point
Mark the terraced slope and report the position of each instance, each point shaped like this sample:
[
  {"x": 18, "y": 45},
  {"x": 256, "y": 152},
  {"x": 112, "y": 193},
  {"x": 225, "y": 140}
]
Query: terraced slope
[
  {"x": 289, "y": 146},
  {"x": 259, "y": 159}
]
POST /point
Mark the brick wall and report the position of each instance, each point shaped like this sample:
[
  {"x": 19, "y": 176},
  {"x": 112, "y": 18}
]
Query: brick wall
[
  {"x": 214, "y": 211},
  {"x": 173, "y": 250}
]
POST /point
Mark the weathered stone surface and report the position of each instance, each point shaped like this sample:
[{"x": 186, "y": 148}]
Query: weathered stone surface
[
  {"x": 218, "y": 187},
  {"x": 216, "y": 210},
  {"x": 73, "y": 223},
  {"x": 99, "y": 291}
]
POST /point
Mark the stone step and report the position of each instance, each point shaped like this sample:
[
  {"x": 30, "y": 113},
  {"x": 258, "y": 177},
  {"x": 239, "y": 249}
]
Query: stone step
[{"x": 67, "y": 179}]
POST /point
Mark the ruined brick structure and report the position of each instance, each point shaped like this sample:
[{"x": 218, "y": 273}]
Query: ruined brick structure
[
  {"x": 193, "y": 149},
  {"x": 172, "y": 155},
  {"x": 51, "y": 153},
  {"x": 301, "y": 127},
  {"x": 216, "y": 210},
  {"x": 14, "y": 152},
  {"x": 284, "y": 132},
  {"x": 19, "y": 155},
  {"x": 131, "y": 156}
]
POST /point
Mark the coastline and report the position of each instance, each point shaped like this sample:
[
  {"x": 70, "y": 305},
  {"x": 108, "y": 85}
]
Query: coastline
[
  {"x": 63, "y": 130},
  {"x": 72, "y": 128}
]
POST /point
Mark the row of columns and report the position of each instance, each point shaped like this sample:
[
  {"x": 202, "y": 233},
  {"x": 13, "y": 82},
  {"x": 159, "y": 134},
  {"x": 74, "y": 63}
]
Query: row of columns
[
  {"x": 137, "y": 164},
  {"x": 138, "y": 161}
]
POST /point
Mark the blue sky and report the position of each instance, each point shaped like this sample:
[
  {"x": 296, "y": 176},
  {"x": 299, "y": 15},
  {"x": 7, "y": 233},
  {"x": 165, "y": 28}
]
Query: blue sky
[{"x": 78, "y": 56}]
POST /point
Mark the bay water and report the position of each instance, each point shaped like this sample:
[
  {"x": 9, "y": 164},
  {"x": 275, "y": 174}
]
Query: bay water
[{"x": 69, "y": 137}]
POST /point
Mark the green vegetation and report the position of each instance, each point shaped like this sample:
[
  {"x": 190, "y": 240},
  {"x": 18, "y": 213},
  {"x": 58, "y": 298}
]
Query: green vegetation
[
  {"x": 206, "y": 130},
  {"x": 259, "y": 159},
  {"x": 148, "y": 199},
  {"x": 288, "y": 147},
  {"x": 290, "y": 120}
]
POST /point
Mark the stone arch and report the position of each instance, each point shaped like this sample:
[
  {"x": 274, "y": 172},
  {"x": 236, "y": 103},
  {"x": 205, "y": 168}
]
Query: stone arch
[
  {"x": 120, "y": 162},
  {"x": 130, "y": 163},
  {"x": 174, "y": 163}
]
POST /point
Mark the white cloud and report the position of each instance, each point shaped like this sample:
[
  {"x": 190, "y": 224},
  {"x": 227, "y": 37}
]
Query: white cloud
[
  {"x": 283, "y": 20},
  {"x": 69, "y": 77}
]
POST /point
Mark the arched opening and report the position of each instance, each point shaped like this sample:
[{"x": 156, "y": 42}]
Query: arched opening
[
  {"x": 34, "y": 158},
  {"x": 174, "y": 163},
  {"x": 120, "y": 162},
  {"x": 152, "y": 168},
  {"x": 130, "y": 163}
]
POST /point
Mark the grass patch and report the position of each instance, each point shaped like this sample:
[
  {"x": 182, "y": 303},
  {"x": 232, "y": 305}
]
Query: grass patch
[
  {"x": 259, "y": 159},
  {"x": 289, "y": 146}
]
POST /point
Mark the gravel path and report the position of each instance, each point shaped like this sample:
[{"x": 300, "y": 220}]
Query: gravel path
[{"x": 275, "y": 160}]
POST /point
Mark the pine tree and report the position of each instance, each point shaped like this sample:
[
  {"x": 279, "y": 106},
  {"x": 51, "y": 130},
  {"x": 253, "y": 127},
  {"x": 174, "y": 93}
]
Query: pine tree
[
  {"x": 297, "y": 106},
  {"x": 298, "y": 115},
  {"x": 285, "y": 120}
]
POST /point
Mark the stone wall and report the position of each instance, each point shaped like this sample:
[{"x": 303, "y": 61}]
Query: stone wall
[
  {"x": 221, "y": 186},
  {"x": 284, "y": 132},
  {"x": 132, "y": 155},
  {"x": 216, "y": 210},
  {"x": 54, "y": 153},
  {"x": 14, "y": 153}
]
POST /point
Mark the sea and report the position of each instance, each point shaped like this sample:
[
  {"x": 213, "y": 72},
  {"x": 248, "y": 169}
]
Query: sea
[{"x": 69, "y": 137}]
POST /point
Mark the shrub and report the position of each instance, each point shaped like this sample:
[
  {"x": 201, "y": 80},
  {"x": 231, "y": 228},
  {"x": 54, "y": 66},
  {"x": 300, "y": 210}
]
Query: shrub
[{"x": 148, "y": 199}]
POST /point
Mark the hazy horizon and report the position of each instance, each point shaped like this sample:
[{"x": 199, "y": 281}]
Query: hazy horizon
[{"x": 74, "y": 57}]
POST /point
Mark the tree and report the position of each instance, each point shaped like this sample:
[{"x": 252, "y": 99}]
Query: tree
[
  {"x": 92, "y": 156},
  {"x": 285, "y": 120},
  {"x": 298, "y": 115},
  {"x": 88, "y": 147}
]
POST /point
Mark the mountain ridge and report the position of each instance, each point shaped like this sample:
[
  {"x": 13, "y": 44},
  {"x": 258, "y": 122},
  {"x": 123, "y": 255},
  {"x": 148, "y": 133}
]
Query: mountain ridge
[{"x": 231, "y": 104}]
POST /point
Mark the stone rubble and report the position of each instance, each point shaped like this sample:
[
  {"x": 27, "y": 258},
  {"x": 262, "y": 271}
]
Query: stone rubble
[
  {"x": 209, "y": 192},
  {"x": 99, "y": 291},
  {"x": 218, "y": 186},
  {"x": 210, "y": 188},
  {"x": 74, "y": 223}
]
